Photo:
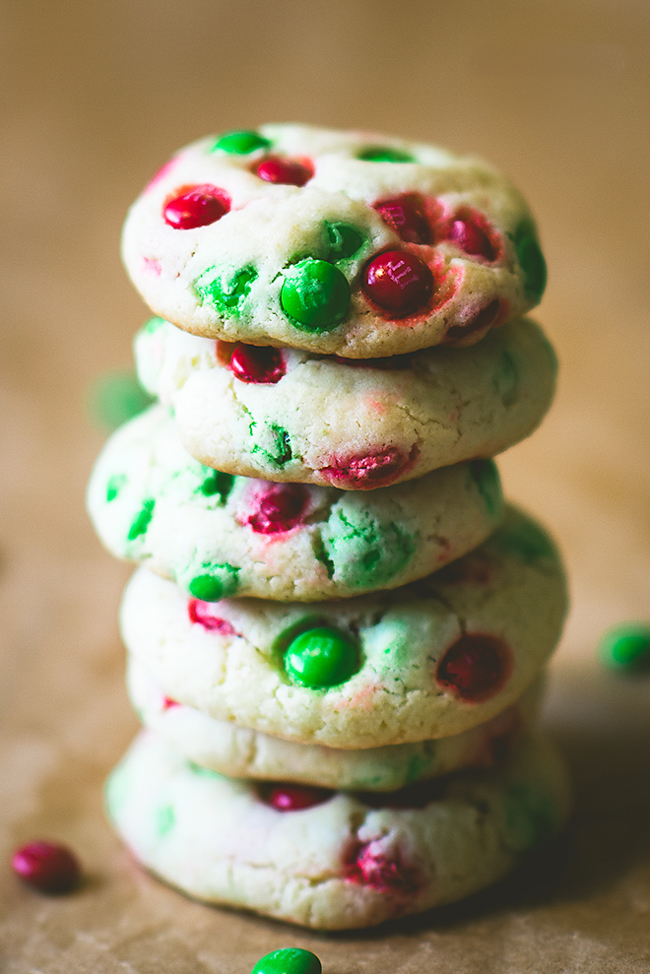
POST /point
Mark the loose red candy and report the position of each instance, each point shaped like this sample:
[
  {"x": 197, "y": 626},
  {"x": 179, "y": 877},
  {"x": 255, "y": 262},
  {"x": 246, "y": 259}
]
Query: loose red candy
[
  {"x": 471, "y": 238},
  {"x": 253, "y": 364},
  {"x": 406, "y": 216},
  {"x": 196, "y": 206},
  {"x": 280, "y": 509},
  {"x": 47, "y": 867},
  {"x": 398, "y": 282},
  {"x": 289, "y": 172},
  {"x": 293, "y": 798},
  {"x": 475, "y": 667}
]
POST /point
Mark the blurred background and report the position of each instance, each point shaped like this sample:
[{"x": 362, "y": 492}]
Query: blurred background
[{"x": 95, "y": 97}]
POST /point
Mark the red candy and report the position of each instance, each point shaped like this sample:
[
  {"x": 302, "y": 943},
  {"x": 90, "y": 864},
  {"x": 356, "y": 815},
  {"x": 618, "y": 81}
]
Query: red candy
[
  {"x": 289, "y": 172},
  {"x": 398, "y": 282},
  {"x": 485, "y": 318},
  {"x": 253, "y": 364},
  {"x": 280, "y": 509},
  {"x": 371, "y": 470},
  {"x": 370, "y": 866},
  {"x": 47, "y": 866},
  {"x": 406, "y": 216},
  {"x": 293, "y": 798},
  {"x": 196, "y": 206},
  {"x": 201, "y": 612},
  {"x": 471, "y": 238},
  {"x": 168, "y": 703},
  {"x": 475, "y": 667}
]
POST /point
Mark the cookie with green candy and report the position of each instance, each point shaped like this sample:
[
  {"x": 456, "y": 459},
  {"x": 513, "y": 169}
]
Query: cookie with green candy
[
  {"x": 220, "y": 535},
  {"x": 241, "y": 752},
  {"x": 332, "y": 860},
  {"x": 289, "y": 415},
  {"x": 335, "y": 242},
  {"x": 430, "y": 659}
]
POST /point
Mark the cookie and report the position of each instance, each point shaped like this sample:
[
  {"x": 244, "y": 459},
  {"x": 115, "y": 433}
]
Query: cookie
[
  {"x": 334, "y": 860},
  {"x": 337, "y": 242},
  {"x": 216, "y": 534},
  {"x": 307, "y": 419},
  {"x": 428, "y": 660},
  {"x": 243, "y": 753}
]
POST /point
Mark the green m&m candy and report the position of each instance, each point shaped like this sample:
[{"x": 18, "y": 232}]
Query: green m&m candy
[
  {"x": 383, "y": 153},
  {"x": 531, "y": 260},
  {"x": 315, "y": 295},
  {"x": 626, "y": 648},
  {"x": 291, "y": 960},
  {"x": 241, "y": 143},
  {"x": 321, "y": 658}
]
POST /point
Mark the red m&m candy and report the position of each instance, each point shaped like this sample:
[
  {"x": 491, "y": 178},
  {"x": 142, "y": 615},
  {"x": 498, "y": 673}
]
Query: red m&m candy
[
  {"x": 475, "y": 667},
  {"x": 280, "y": 509},
  {"x": 47, "y": 866},
  {"x": 398, "y": 282},
  {"x": 469, "y": 236},
  {"x": 196, "y": 206},
  {"x": 253, "y": 364},
  {"x": 293, "y": 798},
  {"x": 406, "y": 216},
  {"x": 289, "y": 172}
]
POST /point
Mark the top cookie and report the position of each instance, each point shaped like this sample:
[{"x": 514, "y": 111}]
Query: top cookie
[{"x": 334, "y": 242}]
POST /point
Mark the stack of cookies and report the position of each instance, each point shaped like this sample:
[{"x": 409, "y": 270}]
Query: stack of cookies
[{"x": 338, "y": 632}]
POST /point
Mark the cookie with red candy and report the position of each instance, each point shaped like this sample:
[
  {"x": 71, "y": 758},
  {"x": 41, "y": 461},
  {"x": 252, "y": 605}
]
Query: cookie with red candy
[
  {"x": 431, "y": 659},
  {"x": 289, "y": 415},
  {"x": 330, "y": 859},
  {"x": 244, "y": 753},
  {"x": 216, "y": 534},
  {"x": 345, "y": 243}
]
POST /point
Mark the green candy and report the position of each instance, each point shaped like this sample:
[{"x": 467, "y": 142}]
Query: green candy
[
  {"x": 241, "y": 143},
  {"x": 224, "y": 290},
  {"x": 141, "y": 522},
  {"x": 531, "y": 260},
  {"x": 382, "y": 153},
  {"x": 343, "y": 240},
  {"x": 485, "y": 475},
  {"x": 217, "y": 482},
  {"x": 315, "y": 295},
  {"x": 626, "y": 648},
  {"x": 219, "y": 581},
  {"x": 291, "y": 960},
  {"x": 321, "y": 658}
]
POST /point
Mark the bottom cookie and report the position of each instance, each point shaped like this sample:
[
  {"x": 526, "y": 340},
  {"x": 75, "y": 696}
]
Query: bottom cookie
[{"x": 334, "y": 860}]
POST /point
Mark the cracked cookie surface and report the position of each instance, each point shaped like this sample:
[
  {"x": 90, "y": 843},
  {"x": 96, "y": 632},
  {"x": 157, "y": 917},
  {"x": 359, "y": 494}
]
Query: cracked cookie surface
[
  {"x": 286, "y": 415},
  {"x": 339, "y": 242},
  {"x": 428, "y": 660},
  {"x": 244, "y": 753},
  {"x": 334, "y": 860},
  {"x": 221, "y": 535}
]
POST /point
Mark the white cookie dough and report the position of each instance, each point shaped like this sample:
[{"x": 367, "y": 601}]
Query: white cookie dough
[
  {"x": 222, "y": 252},
  {"x": 345, "y": 862},
  {"x": 428, "y": 660},
  {"x": 354, "y": 427}
]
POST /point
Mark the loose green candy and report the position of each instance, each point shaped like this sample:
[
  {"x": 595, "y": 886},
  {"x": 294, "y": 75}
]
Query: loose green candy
[
  {"x": 626, "y": 647},
  {"x": 291, "y": 960},
  {"x": 383, "y": 153},
  {"x": 321, "y": 658},
  {"x": 531, "y": 260},
  {"x": 315, "y": 295},
  {"x": 241, "y": 143}
]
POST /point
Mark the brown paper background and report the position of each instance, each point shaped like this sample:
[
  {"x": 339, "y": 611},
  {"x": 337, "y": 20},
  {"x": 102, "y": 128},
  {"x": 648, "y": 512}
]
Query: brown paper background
[{"x": 95, "y": 95}]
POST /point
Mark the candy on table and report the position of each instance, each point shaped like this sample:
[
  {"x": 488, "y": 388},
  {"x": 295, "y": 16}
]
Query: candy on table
[
  {"x": 626, "y": 648},
  {"x": 288, "y": 960},
  {"x": 48, "y": 867}
]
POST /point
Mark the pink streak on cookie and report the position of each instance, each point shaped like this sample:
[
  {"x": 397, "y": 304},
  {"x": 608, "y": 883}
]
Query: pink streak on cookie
[
  {"x": 151, "y": 265},
  {"x": 203, "y": 614},
  {"x": 370, "y": 865},
  {"x": 162, "y": 173},
  {"x": 168, "y": 703},
  {"x": 367, "y": 471}
]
